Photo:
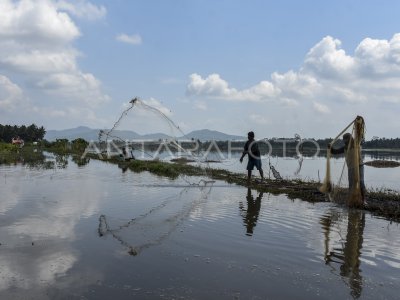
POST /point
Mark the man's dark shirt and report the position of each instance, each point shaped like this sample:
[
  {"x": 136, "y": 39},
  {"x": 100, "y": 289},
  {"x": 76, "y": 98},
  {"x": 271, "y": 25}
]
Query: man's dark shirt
[
  {"x": 339, "y": 150},
  {"x": 254, "y": 152}
]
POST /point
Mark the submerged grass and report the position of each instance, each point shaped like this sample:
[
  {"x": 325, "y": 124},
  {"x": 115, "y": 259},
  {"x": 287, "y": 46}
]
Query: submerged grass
[
  {"x": 172, "y": 171},
  {"x": 382, "y": 202},
  {"x": 12, "y": 154}
]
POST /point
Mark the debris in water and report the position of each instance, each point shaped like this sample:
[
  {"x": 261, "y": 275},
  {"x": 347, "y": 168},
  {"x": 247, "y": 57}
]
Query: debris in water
[
  {"x": 275, "y": 172},
  {"x": 182, "y": 160},
  {"x": 299, "y": 155},
  {"x": 382, "y": 163}
]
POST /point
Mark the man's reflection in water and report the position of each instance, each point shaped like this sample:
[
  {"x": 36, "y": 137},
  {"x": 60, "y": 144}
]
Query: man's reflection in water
[
  {"x": 348, "y": 257},
  {"x": 250, "y": 215}
]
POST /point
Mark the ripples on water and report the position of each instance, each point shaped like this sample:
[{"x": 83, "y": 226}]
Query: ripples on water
[{"x": 97, "y": 232}]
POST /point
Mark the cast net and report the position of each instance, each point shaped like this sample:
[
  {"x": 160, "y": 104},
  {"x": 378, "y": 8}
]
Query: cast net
[
  {"x": 156, "y": 223},
  {"x": 343, "y": 181},
  {"x": 171, "y": 145}
]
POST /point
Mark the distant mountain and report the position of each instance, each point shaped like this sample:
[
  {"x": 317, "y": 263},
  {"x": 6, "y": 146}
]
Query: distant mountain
[
  {"x": 88, "y": 134},
  {"x": 72, "y": 133},
  {"x": 207, "y": 135},
  {"x": 93, "y": 134},
  {"x": 155, "y": 136}
]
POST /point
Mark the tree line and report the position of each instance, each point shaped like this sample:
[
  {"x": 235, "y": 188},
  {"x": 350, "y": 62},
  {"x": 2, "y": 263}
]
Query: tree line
[
  {"x": 309, "y": 144},
  {"x": 377, "y": 143},
  {"x": 29, "y": 133},
  {"x": 374, "y": 143}
]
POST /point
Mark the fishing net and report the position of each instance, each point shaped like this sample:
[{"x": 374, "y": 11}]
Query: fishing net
[
  {"x": 111, "y": 134},
  {"x": 172, "y": 144},
  {"x": 343, "y": 182},
  {"x": 156, "y": 224}
]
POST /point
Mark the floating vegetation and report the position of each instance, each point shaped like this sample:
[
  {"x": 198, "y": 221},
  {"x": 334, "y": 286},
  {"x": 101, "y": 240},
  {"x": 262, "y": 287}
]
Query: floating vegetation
[
  {"x": 182, "y": 160},
  {"x": 382, "y": 163}
]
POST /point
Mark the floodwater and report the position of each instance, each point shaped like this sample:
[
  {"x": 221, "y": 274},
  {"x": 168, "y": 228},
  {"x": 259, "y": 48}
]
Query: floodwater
[
  {"x": 310, "y": 168},
  {"x": 96, "y": 232}
]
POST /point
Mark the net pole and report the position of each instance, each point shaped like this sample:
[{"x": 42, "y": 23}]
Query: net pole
[{"x": 343, "y": 131}]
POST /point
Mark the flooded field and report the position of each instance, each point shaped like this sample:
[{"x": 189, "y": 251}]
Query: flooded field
[
  {"x": 313, "y": 168},
  {"x": 96, "y": 232}
]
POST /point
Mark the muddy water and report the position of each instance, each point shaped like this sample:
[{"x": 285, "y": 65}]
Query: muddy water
[{"x": 95, "y": 232}]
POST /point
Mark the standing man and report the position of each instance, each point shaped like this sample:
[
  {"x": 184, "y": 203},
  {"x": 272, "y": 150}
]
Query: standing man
[{"x": 251, "y": 148}]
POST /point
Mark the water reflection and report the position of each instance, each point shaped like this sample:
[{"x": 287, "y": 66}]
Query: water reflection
[
  {"x": 157, "y": 223},
  {"x": 49, "y": 249},
  {"x": 39, "y": 159},
  {"x": 80, "y": 161},
  {"x": 384, "y": 154},
  {"x": 348, "y": 255},
  {"x": 39, "y": 216},
  {"x": 250, "y": 215},
  {"x": 61, "y": 161},
  {"x": 23, "y": 157}
]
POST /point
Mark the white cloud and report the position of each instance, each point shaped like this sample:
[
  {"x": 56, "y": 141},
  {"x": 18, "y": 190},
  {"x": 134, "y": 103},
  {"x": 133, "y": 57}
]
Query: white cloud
[
  {"x": 35, "y": 23},
  {"x": 82, "y": 9},
  {"x": 371, "y": 75},
  {"x": 379, "y": 58},
  {"x": 36, "y": 47},
  {"x": 134, "y": 39},
  {"x": 329, "y": 80},
  {"x": 327, "y": 60},
  {"x": 215, "y": 86},
  {"x": 11, "y": 95},
  {"x": 295, "y": 85},
  {"x": 41, "y": 61},
  {"x": 77, "y": 86},
  {"x": 321, "y": 108}
]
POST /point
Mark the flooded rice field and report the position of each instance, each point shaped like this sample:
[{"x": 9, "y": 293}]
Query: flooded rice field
[{"x": 96, "y": 232}]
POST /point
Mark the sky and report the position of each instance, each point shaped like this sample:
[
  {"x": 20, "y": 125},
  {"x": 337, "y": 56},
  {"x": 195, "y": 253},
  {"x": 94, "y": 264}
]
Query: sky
[{"x": 278, "y": 68}]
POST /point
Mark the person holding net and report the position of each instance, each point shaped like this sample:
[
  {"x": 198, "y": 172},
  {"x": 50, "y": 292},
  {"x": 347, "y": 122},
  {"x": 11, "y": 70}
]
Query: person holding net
[{"x": 352, "y": 151}]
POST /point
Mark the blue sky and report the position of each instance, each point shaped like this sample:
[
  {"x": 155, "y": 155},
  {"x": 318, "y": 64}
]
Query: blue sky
[{"x": 275, "y": 67}]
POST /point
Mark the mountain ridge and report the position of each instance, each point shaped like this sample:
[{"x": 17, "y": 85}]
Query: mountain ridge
[{"x": 89, "y": 134}]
